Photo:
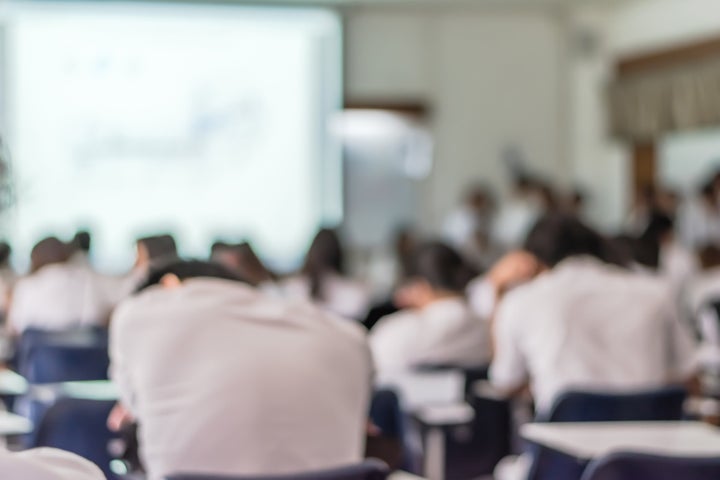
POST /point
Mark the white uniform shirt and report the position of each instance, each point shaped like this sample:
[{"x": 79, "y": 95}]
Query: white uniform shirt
[
  {"x": 342, "y": 296},
  {"x": 46, "y": 464},
  {"x": 678, "y": 265},
  {"x": 227, "y": 380},
  {"x": 56, "y": 297},
  {"x": 699, "y": 225},
  {"x": 589, "y": 326},
  {"x": 446, "y": 332}
]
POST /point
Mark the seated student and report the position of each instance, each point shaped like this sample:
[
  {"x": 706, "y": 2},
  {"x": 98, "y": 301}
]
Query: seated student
[
  {"x": 46, "y": 464},
  {"x": 586, "y": 323},
  {"x": 56, "y": 294},
  {"x": 223, "y": 379},
  {"x": 659, "y": 250},
  {"x": 322, "y": 279},
  {"x": 438, "y": 327},
  {"x": 80, "y": 245}
]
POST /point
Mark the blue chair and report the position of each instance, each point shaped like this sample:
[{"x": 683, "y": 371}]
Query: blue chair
[
  {"x": 78, "y": 426},
  {"x": 368, "y": 470},
  {"x": 639, "y": 466},
  {"x": 72, "y": 355},
  {"x": 664, "y": 404}
]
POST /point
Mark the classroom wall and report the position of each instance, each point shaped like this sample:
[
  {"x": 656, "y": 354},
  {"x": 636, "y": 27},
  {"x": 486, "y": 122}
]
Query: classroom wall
[
  {"x": 626, "y": 28},
  {"x": 493, "y": 78}
]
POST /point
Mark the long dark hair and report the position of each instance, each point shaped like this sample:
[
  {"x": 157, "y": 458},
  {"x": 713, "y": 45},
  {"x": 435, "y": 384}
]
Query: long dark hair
[{"x": 324, "y": 256}]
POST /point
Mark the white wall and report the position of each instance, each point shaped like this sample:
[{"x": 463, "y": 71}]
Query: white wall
[{"x": 492, "y": 78}]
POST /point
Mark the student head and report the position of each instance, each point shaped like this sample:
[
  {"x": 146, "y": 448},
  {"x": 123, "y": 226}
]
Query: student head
[
  {"x": 325, "y": 256},
  {"x": 241, "y": 258},
  {"x": 436, "y": 271},
  {"x": 155, "y": 250},
  {"x": 556, "y": 237},
  {"x": 48, "y": 251},
  {"x": 172, "y": 275},
  {"x": 659, "y": 231},
  {"x": 82, "y": 241}
]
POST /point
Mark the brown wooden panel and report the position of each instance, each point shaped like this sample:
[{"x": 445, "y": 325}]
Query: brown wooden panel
[
  {"x": 408, "y": 107},
  {"x": 668, "y": 58},
  {"x": 644, "y": 166}
]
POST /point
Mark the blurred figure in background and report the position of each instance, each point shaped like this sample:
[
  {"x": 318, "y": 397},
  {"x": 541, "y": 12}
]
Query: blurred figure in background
[
  {"x": 323, "y": 279},
  {"x": 81, "y": 244},
  {"x": 468, "y": 228},
  {"x": 437, "y": 327},
  {"x": 659, "y": 250},
  {"x": 56, "y": 294},
  {"x": 155, "y": 250},
  {"x": 517, "y": 215},
  {"x": 699, "y": 219},
  {"x": 224, "y": 379}
]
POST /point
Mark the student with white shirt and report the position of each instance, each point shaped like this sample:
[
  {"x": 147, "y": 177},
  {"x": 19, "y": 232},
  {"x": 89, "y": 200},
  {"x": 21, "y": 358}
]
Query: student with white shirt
[
  {"x": 57, "y": 294},
  {"x": 438, "y": 327},
  {"x": 224, "y": 379},
  {"x": 46, "y": 464},
  {"x": 323, "y": 280},
  {"x": 586, "y": 323}
]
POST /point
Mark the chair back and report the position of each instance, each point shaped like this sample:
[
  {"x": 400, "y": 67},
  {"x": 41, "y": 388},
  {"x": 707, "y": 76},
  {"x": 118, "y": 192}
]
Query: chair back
[
  {"x": 73, "y": 355},
  {"x": 638, "y": 466},
  {"x": 665, "y": 404},
  {"x": 368, "y": 470},
  {"x": 78, "y": 426}
]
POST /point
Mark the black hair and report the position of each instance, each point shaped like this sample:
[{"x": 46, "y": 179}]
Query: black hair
[
  {"x": 648, "y": 245},
  {"x": 557, "y": 236},
  {"x": 160, "y": 247},
  {"x": 324, "y": 256},
  {"x": 5, "y": 252},
  {"x": 82, "y": 241},
  {"x": 185, "y": 269},
  {"x": 441, "y": 266}
]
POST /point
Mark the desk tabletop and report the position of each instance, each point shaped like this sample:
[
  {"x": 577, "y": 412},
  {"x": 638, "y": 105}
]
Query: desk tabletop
[
  {"x": 12, "y": 383},
  {"x": 399, "y": 475},
  {"x": 592, "y": 440},
  {"x": 11, "y": 424},
  {"x": 88, "y": 390}
]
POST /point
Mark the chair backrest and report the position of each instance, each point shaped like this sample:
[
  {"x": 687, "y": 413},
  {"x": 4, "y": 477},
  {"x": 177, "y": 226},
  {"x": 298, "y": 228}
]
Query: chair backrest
[
  {"x": 664, "y": 404},
  {"x": 638, "y": 466},
  {"x": 368, "y": 470},
  {"x": 78, "y": 426},
  {"x": 73, "y": 355}
]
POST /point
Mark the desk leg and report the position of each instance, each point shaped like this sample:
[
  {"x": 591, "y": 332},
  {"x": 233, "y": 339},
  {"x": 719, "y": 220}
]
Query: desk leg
[{"x": 435, "y": 454}]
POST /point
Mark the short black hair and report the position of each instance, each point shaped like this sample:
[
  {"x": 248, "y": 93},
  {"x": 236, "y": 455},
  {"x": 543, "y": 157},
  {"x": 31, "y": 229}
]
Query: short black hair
[
  {"x": 160, "y": 247},
  {"x": 441, "y": 266},
  {"x": 557, "y": 236},
  {"x": 186, "y": 269}
]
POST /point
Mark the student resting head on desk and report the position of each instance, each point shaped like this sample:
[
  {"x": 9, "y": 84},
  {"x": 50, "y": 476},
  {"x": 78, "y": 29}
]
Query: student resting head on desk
[
  {"x": 226, "y": 380},
  {"x": 586, "y": 323}
]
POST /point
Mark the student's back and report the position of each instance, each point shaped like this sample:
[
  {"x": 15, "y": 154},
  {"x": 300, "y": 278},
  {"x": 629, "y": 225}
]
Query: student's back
[
  {"x": 225, "y": 380},
  {"x": 586, "y": 324},
  {"x": 57, "y": 297}
]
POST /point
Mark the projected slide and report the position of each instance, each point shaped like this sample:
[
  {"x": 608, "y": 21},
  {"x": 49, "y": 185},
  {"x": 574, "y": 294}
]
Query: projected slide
[{"x": 203, "y": 122}]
